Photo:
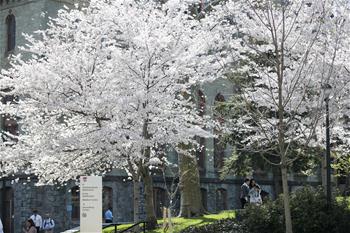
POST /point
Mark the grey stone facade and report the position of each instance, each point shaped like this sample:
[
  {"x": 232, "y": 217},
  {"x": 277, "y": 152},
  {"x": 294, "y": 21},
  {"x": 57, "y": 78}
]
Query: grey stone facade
[{"x": 58, "y": 201}]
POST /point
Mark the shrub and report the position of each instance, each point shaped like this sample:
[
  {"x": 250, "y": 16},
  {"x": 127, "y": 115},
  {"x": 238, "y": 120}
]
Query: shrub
[
  {"x": 309, "y": 214},
  {"x": 222, "y": 226},
  {"x": 267, "y": 218}
]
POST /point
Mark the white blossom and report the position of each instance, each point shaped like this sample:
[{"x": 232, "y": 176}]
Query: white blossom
[{"x": 101, "y": 85}]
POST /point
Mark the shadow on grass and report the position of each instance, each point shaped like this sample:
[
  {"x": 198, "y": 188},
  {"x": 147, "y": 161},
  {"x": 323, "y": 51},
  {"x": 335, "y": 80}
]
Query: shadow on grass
[
  {"x": 183, "y": 223},
  {"x": 180, "y": 223}
]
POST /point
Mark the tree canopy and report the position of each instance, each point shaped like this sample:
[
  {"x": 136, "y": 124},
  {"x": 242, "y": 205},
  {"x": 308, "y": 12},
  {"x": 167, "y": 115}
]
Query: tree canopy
[{"x": 105, "y": 83}]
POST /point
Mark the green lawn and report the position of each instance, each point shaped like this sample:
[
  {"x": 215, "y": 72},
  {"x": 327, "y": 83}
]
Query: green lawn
[
  {"x": 183, "y": 223},
  {"x": 119, "y": 228}
]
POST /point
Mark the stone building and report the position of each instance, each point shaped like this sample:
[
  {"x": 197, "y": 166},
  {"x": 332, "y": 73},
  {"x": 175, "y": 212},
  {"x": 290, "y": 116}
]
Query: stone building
[{"x": 17, "y": 199}]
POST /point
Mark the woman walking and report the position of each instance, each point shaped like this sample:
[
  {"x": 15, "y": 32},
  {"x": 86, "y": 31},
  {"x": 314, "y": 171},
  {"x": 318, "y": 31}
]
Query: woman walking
[
  {"x": 29, "y": 227},
  {"x": 255, "y": 193}
]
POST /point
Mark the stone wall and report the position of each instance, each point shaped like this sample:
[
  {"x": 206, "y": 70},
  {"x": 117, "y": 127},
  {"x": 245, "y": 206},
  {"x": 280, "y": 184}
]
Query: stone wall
[
  {"x": 57, "y": 200},
  {"x": 30, "y": 15},
  {"x": 27, "y": 196}
]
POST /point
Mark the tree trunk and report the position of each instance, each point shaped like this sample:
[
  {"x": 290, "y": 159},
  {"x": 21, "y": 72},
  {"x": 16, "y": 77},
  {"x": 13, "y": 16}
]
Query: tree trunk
[
  {"x": 151, "y": 220},
  {"x": 191, "y": 198},
  {"x": 280, "y": 67},
  {"x": 136, "y": 184},
  {"x": 324, "y": 173},
  {"x": 277, "y": 181},
  {"x": 287, "y": 211}
]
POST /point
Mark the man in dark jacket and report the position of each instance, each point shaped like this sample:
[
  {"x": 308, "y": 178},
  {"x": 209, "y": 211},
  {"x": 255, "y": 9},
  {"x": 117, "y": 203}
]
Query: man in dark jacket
[{"x": 244, "y": 192}]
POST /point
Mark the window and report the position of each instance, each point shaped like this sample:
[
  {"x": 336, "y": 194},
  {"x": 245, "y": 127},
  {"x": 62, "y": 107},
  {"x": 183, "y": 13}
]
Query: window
[
  {"x": 219, "y": 153},
  {"x": 11, "y": 32},
  {"x": 221, "y": 199},
  {"x": 75, "y": 197},
  {"x": 219, "y": 99},
  {"x": 219, "y": 146},
  {"x": 7, "y": 208},
  {"x": 9, "y": 127},
  {"x": 107, "y": 198},
  {"x": 159, "y": 199},
  {"x": 204, "y": 195},
  {"x": 200, "y": 153},
  {"x": 9, "y": 123}
]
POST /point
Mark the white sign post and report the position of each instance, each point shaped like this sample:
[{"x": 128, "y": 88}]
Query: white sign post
[{"x": 91, "y": 204}]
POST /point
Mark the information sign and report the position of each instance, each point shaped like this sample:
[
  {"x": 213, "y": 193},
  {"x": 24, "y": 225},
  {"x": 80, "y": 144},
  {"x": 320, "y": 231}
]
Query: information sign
[{"x": 91, "y": 204}]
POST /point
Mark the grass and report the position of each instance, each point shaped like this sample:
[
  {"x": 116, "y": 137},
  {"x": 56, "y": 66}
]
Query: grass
[
  {"x": 183, "y": 223},
  {"x": 119, "y": 228}
]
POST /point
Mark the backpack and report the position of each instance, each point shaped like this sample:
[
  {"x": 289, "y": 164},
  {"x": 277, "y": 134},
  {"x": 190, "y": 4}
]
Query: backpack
[{"x": 48, "y": 225}]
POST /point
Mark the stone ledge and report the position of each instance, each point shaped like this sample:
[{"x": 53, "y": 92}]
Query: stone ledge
[
  {"x": 11, "y": 2},
  {"x": 8, "y": 4}
]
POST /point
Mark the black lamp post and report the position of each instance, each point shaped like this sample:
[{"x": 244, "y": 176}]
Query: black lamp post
[{"x": 327, "y": 90}]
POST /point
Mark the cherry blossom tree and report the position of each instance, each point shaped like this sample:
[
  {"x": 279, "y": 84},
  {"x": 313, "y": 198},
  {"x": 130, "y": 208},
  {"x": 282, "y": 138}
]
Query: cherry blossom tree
[
  {"x": 286, "y": 51},
  {"x": 106, "y": 87}
]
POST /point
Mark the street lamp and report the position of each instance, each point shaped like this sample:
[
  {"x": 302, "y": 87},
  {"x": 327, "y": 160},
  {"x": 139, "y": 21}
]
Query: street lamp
[{"x": 327, "y": 91}]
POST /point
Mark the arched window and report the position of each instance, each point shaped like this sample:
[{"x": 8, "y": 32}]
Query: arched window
[
  {"x": 221, "y": 199},
  {"x": 160, "y": 201},
  {"x": 11, "y": 32},
  {"x": 204, "y": 195},
  {"x": 219, "y": 146},
  {"x": 107, "y": 198},
  {"x": 75, "y": 197}
]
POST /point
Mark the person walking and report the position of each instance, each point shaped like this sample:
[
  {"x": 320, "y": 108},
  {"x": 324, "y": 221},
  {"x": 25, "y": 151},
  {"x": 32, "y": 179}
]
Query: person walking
[
  {"x": 244, "y": 196},
  {"x": 255, "y": 193},
  {"x": 38, "y": 221},
  {"x": 1, "y": 227},
  {"x": 108, "y": 215},
  {"x": 29, "y": 226},
  {"x": 48, "y": 224}
]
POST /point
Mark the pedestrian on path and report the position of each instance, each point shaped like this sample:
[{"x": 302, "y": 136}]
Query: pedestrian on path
[
  {"x": 38, "y": 221},
  {"x": 255, "y": 193},
  {"x": 108, "y": 215},
  {"x": 244, "y": 196},
  {"x": 48, "y": 224}
]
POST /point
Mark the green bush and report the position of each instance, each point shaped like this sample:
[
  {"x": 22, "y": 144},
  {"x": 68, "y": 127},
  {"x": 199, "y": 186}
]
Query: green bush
[
  {"x": 222, "y": 226},
  {"x": 267, "y": 218},
  {"x": 309, "y": 214}
]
